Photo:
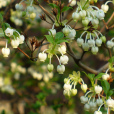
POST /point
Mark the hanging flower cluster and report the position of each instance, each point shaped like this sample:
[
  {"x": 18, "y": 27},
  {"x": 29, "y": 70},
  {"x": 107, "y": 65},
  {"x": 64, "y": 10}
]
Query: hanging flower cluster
[
  {"x": 71, "y": 82},
  {"x": 16, "y": 40}
]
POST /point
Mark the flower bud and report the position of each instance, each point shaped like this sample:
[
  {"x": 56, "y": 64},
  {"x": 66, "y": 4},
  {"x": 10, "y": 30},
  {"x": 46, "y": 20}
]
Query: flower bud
[
  {"x": 33, "y": 16},
  {"x": 98, "y": 42},
  {"x": 72, "y": 34},
  {"x": 83, "y": 99},
  {"x": 75, "y": 16},
  {"x": 109, "y": 103},
  {"x": 62, "y": 49},
  {"x": 15, "y": 43},
  {"x": 97, "y": 112},
  {"x": 84, "y": 87},
  {"x": 80, "y": 41},
  {"x": 66, "y": 31},
  {"x": 21, "y": 39},
  {"x": 85, "y": 46},
  {"x": 105, "y": 76},
  {"x": 60, "y": 69},
  {"x": 50, "y": 67},
  {"x": 73, "y": 92},
  {"x": 94, "y": 50},
  {"x": 100, "y": 14},
  {"x": 85, "y": 22},
  {"x": 52, "y": 32},
  {"x": 73, "y": 2},
  {"x": 91, "y": 43},
  {"x": 93, "y": 104},
  {"x": 64, "y": 59},
  {"x": 66, "y": 80},
  {"x": 82, "y": 13},
  {"x": 67, "y": 87},
  {"x": 110, "y": 44},
  {"x": 105, "y": 8},
  {"x": 5, "y": 52},
  {"x": 86, "y": 107},
  {"x": 98, "y": 89},
  {"x": 9, "y": 32},
  {"x": 103, "y": 38},
  {"x": 30, "y": 9},
  {"x": 95, "y": 22},
  {"x": 42, "y": 56},
  {"x": 99, "y": 102}
]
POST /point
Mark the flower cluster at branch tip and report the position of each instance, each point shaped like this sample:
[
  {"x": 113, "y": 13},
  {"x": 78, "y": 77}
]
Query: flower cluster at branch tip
[
  {"x": 62, "y": 60},
  {"x": 3, "y": 3},
  {"x": 45, "y": 75},
  {"x": 29, "y": 11},
  {"x": 71, "y": 82},
  {"x": 16, "y": 39}
]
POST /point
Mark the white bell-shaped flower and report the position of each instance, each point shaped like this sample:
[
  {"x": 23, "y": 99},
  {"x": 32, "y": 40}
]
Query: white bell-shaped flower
[
  {"x": 75, "y": 16},
  {"x": 95, "y": 22},
  {"x": 66, "y": 31},
  {"x": 110, "y": 44},
  {"x": 94, "y": 50},
  {"x": 73, "y": 92},
  {"x": 105, "y": 76},
  {"x": 91, "y": 43},
  {"x": 84, "y": 99},
  {"x": 72, "y": 34},
  {"x": 93, "y": 104},
  {"x": 42, "y": 56},
  {"x": 109, "y": 102},
  {"x": 100, "y": 14},
  {"x": 105, "y": 8},
  {"x": 98, "y": 89},
  {"x": 60, "y": 69},
  {"x": 30, "y": 9},
  {"x": 99, "y": 102},
  {"x": 98, "y": 42},
  {"x": 86, "y": 107},
  {"x": 15, "y": 43},
  {"x": 84, "y": 87},
  {"x": 52, "y": 32},
  {"x": 62, "y": 49},
  {"x": 85, "y": 22},
  {"x": 80, "y": 41},
  {"x": 9, "y": 32},
  {"x": 67, "y": 87},
  {"x": 73, "y": 3},
  {"x": 82, "y": 13},
  {"x": 21, "y": 39},
  {"x": 5, "y": 52},
  {"x": 64, "y": 59},
  {"x": 85, "y": 46}
]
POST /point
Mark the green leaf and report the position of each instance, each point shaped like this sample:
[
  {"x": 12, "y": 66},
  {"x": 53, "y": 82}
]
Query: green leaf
[
  {"x": 6, "y": 25},
  {"x": 53, "y": 5},
  {"x": 49, "y": 38},
  {"x": 106, "y": 86},
  {"x": 66, "y": 8},
  {"x": 110, "y": 93},
  {"x": 59, "y": 35},
  {"x": 60, "y": 41},
  {"x": 1, "y": 32},
  {"x": 1, "y": 18},
  {"x": 111, "y": 60},
  {"x": 99, "y": 76}
]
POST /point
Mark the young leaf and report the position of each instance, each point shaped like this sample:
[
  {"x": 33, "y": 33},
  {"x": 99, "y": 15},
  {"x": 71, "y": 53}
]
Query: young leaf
[
  {"x": 111, "y": 60},
  {"x": 60, "y": 41},
  {"x": 59, "y": 35},
  {"x": 106, "y": 86},
  {"x": 1, "y": 18},
  {"x": 99, "y": 76},
  {"x": 53, "y": 5},
  {"x": 49, "y": 38},
  {"x": 66, "y": 8}
]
